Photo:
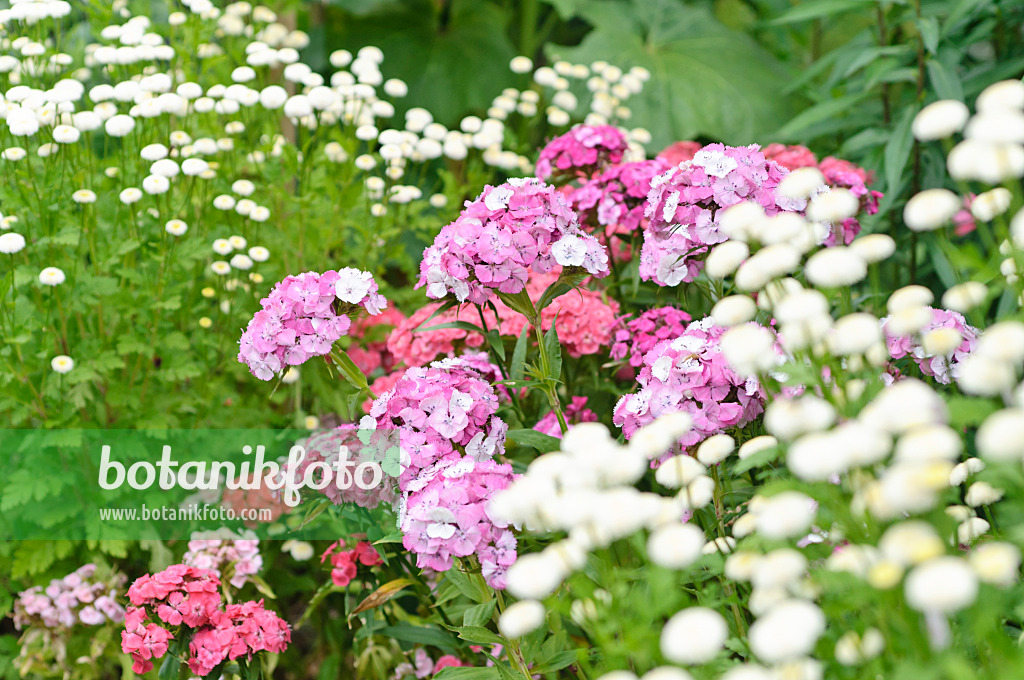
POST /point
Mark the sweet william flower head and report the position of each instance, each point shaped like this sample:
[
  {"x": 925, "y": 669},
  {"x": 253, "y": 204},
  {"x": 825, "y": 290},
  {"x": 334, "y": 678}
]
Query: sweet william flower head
[{"x": 500, "y": 237}]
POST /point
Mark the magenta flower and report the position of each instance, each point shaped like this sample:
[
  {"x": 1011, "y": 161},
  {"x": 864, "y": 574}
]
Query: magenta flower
[
  {"x": 640, "y": 335},
  {"x": 943, "y": 367},
  {"x": 684, "y": 204},
  {"x": 510, "y": 230},
  {"x": 581, "y": 151},
  {"x": 303, "y": 317},
  {"x": 616, "y": 198},
  {"x": 689, "y": 373}
]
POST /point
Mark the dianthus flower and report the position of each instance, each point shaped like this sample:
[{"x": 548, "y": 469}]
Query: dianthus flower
[
  {"x": 143, "y": 641},
  {"x": 448, "y": 517},
  {"x": 324, "y": 446},
  {"x": 214, "y": 554},
  {"x": 677, "y": 152},
  {"x": 344, "y": 563},
  {"x": 942, "y": 367},
  {"x": 640, "y": 335},
  {"x": 581, "y": 151},
  {"x": 70, "y": 600},
  {"x": 791, "y": 156},
  {"x": 420, "y": 348},
  {"x": 615, "y": 199},
  {"x": 584, "y": 319},
  {"x": 178, "y": 594},
  {"x": 304, "y": 316},
  {"x": 370, "y": 334},
  {"x": 500, "y": 237},
  {"x": 441, "y": 412},
  {"x": 241, "y": 630},
  {"x": 690, "y": 374},
  {"x": 684, "y": 204},
  {"x": 846, "y": 175},
  {"x": 576, "y": 412}
]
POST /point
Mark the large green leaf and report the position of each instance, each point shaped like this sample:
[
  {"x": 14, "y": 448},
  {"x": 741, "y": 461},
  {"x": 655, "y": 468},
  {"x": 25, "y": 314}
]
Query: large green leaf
[
  {"x": 454, "y": 62},
  {"x": 707, "y": 80}
]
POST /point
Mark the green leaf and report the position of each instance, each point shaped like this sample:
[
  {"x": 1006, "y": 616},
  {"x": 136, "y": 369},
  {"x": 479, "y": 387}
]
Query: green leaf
[
  {"x": 707, "y": 80},
  {"x": 558, "y": 662},
  {"x": 467, "y": 673},
  {"x": 816, "y": 114},
  {"x": 438, "y": 52},
  {"x": 495, "y": 342},
  {"x": 479, "y": 635},
  {"x": 554, "y": 352},
  {"x": 897, "y": 152},
  {"x": 460, "y": 325},
  {"x": 169, "y": 668},
  {"x": 544, "y": 443},
  {"x": 519, "y": 354},
  {"x": 553, "y": 291},
  {"x": 944, "y": 80},
  {"x": 422, "y": 635},
  {"x": 348, "y": 368},
  {"x": 967, "y": 412},
  {"x": 479, "y": 614},
  {"x": 929, "y": 28},
  {"x": 815, "y": 9}
]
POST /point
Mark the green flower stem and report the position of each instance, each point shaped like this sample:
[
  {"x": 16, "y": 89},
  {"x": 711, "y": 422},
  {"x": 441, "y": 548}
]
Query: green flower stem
[{"x": 549, "y": 383}]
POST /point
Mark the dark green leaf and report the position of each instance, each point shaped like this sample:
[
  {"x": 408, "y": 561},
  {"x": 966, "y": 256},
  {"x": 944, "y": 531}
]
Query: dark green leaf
[
  {"x": 554, "y": 352},
  {"x": 423, "y": 635},
  {"x": 897, "y": 152},
  {"x": 534, "y": 439},
  {"x": 815, "y": 9},
  {"x": 479, "y": 614},
  {"x": 707, "y": 80},
  {"x": 519, "y": 354},
  {"x": 466, "y": 673}
]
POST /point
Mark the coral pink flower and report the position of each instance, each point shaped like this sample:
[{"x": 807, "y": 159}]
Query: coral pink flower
[{"x": 677, "y": 152}]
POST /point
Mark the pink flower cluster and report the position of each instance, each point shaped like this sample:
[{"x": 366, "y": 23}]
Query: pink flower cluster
[
  {"x": 640, "y": 335},
  {"x": 344, "y": 563},
  {"x": 446, "y": 416},
  {"x": 371, "y": 352},
  {"x": 442, "y": 412},
  {"x": 423, "y": 666},
  {"x": 576, "y": 412},
  {"x": 448, "y": 518},
  {"x": 242, "y": 556},
  {"x": 240, "y": 630},
  {"x": 684, "y": 202},
  {"x": 183, "y": 595},
  {"x": 838, "y": 173},
  {"x": 500, "y": 237},
  {"x": 324, "y": 446},
  {"x": 584, "y": 319},
  {"x": 689, "y": 373},
  {"x": 677, "y": 152},
  {"x": 944, "y": 367},
  {"x": 581, "y": 151},
  {"x": 303, "y": 317},
  {"x": 70, "y": 600},
  {"x": 420, "y": 348},
  {"x": 616, "y": 198},
  {"x": 177, "y": 595}
]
